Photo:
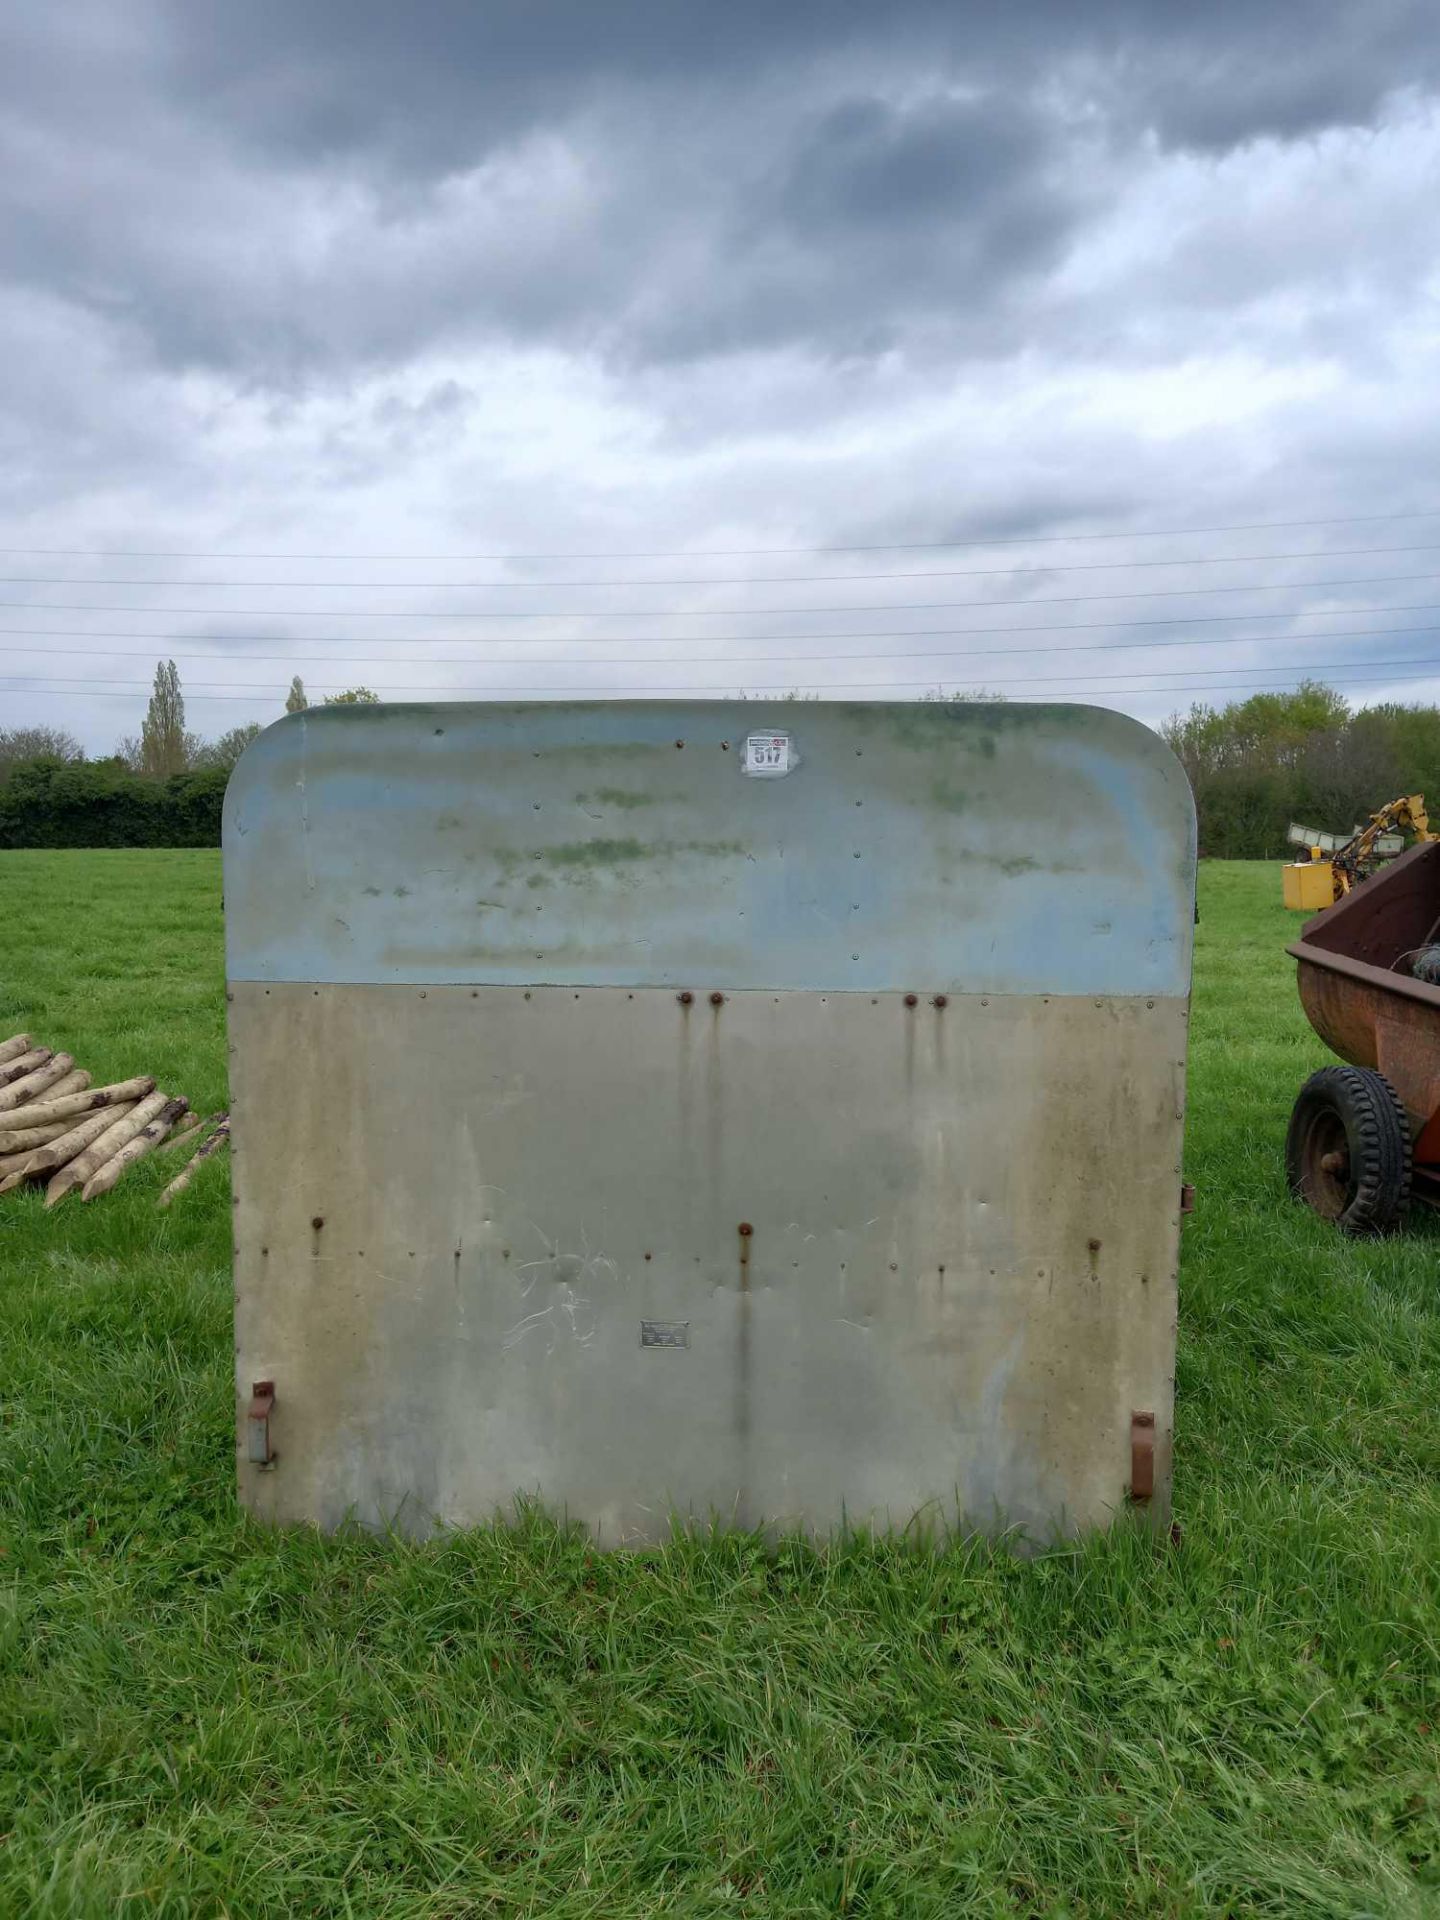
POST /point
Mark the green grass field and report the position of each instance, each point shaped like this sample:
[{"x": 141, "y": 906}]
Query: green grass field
[{"x": 199, "y": 1718}]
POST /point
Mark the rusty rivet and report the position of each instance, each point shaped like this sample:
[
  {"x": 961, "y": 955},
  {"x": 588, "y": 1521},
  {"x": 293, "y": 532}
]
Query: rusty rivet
[
  {"x": 940, "y": 1000},
  {"x": 717, "y": 999},
  {"x": 746, "y": 1229},
  {"x": 912, "y": 999},
  {"x": 318, "y": 1222},
  {"x": 1094, "y": 1246},
  {"x": 686, "y": 998}
]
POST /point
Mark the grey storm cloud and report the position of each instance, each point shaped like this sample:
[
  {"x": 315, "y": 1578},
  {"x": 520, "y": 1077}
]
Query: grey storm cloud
[
  {"x": 431, "y": 86},
  {"x": 287, "y": 190},
  {"x": 866, "y": 164}
]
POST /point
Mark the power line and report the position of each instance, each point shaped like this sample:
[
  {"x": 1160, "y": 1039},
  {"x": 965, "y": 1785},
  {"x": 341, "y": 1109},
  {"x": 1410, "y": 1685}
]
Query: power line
[
  {"x": 681, "y": 639},
  {"x": 710, "y": 613},
  {"x": 736, "y": 553},
  {"x": 768, "y": 580},
  {"x": 1369, "y": 669},
  {"x": 101, "y": 691},
  {"x": 293, "y": 658}
]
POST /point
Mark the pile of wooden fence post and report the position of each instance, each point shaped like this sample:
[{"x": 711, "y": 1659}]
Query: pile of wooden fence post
[{"x": 56, "y": 1127}]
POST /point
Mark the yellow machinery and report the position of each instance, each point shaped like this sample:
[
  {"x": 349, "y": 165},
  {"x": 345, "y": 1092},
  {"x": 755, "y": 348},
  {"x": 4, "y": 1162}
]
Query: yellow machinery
[
  {"x": 1310, "y": 884},
  {"x": 1332, "y": 867}
]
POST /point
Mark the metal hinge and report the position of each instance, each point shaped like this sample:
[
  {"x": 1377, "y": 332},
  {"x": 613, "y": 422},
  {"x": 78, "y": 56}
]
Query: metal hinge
[
  {"x": 262, "y": 1404},
  {"x": 1142, "y": 1456},
  {"x": 1187, "y": 1198}
]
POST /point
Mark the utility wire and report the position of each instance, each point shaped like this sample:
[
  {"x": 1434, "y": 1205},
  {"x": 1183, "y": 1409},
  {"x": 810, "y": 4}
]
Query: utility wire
[
  {"x": 1369, "y": 668},
  {"x": 684, "y": 640},
  {"x": 690, "y": 659},
  {"x": 690, "y": 580},
  {"x": 736, "y": 553},
  {"x": 957, "y": 690},
  {"x": 706, "y": 613}
]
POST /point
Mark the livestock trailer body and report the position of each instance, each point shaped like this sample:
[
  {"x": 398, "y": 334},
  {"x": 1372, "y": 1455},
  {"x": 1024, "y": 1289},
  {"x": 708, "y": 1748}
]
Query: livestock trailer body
[{"x": 658, "y": 1112}]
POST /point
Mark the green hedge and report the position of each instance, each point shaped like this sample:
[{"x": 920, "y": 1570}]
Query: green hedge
[{"x": 101, "y": 803}]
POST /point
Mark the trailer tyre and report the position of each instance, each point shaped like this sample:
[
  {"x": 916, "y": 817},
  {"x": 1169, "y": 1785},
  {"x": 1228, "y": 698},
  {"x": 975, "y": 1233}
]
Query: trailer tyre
[{"x": 1347, "y": 1151}]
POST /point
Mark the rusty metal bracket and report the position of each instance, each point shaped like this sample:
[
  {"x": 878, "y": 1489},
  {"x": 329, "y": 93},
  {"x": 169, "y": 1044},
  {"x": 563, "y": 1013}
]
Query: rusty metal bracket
[
  {"x": 1187, "y": 1198},
  {"x": 1142, "y": 1456},
  {"x": 257, "y": 1425}
]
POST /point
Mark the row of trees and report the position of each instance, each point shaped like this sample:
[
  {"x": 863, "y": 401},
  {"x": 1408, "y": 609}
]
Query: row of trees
[
  {"x": 1260, "y": 763},
  {"x": 1255, "y": 766},
  {"x": 163, "y": 787}
]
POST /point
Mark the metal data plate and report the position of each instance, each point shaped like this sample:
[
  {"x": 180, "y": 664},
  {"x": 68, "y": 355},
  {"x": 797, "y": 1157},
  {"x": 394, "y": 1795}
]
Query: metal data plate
[{"x": 698, "y": 1110}]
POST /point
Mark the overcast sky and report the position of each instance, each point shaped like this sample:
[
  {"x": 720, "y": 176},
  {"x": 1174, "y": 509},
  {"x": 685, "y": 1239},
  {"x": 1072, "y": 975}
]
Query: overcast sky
[{"x": 688, "y": 292}]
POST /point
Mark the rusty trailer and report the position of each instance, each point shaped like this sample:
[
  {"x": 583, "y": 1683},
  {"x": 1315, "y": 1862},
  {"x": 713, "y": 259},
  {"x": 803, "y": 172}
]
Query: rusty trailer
[
  {"x": 697, "y": 1110},
  {"x": 1364, "y": 1136}
]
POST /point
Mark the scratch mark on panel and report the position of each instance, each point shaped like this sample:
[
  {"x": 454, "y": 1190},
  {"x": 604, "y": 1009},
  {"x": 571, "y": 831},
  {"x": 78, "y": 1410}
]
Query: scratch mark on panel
[{"x": 518, "y": 1332}]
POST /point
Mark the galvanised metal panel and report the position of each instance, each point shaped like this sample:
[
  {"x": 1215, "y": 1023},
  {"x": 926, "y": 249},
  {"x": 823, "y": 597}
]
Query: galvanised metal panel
[
  {"x": 643, "y": 1220},
  {"x": 963, "y": 848}
]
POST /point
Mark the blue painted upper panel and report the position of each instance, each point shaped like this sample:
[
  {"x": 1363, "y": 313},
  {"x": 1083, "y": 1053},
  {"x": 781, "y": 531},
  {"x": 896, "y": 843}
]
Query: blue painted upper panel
[{"x": 948, "y": 847}]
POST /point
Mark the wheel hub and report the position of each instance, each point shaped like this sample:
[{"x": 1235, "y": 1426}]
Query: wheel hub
[{"x": 1326, "y": 1156}]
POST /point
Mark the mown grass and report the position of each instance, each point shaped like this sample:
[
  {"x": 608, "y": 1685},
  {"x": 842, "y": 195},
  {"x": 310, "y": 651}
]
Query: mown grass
[{"x": 200, "y": 1718}]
